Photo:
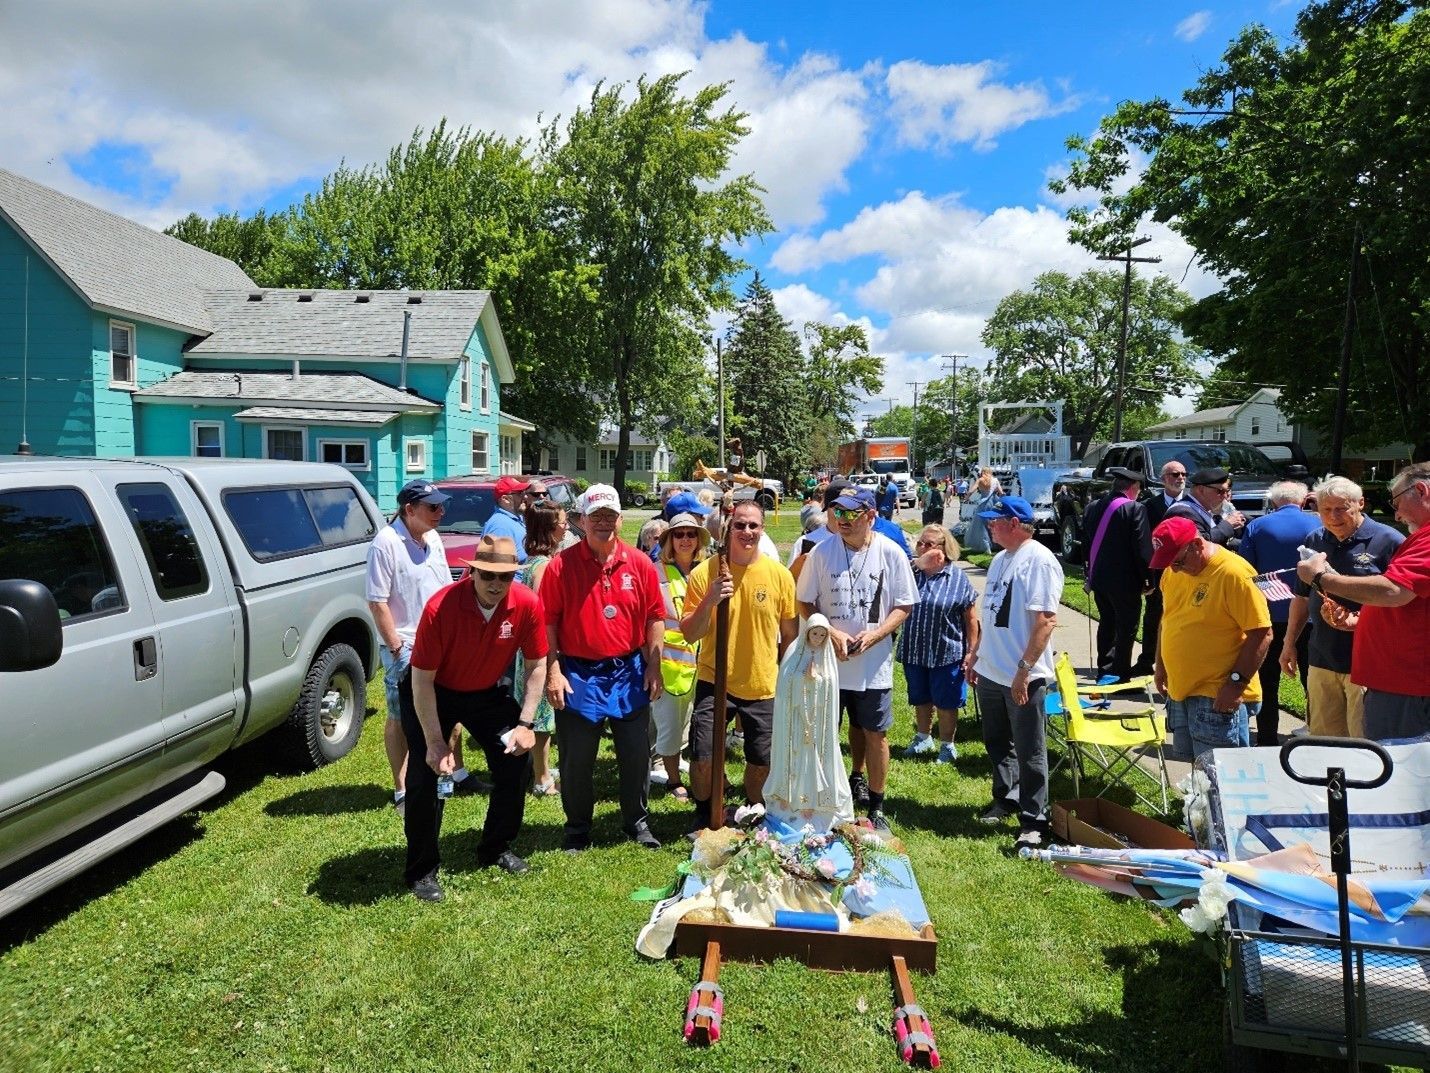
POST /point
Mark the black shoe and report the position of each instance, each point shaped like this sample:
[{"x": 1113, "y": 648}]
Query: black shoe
[
  {"x": 576, "y": 845},
  {"x": 994, "y": 814},
  {"x": 427, "y": 888},
  {"x": 510, "y": 863},
  {"x": 878, "y": 822},
  {"x": 642, "y": 836},
  {"x": 859, "y": 788},
  {"x": 471, "y": 785}
]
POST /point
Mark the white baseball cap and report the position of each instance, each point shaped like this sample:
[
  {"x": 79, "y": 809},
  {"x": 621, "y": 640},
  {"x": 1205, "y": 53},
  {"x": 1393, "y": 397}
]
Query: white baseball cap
[{"x": 598, "y": 497}]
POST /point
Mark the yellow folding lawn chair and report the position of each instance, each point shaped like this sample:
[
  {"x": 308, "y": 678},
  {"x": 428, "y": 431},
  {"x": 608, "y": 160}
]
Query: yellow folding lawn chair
[{"x": 1112, "y": 743}]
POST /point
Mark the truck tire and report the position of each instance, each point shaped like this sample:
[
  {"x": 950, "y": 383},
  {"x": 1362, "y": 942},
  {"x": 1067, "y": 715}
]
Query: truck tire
[
  {"x": 637, "y": 499},
  {"x": 1068, "y": 536},
  {"x": 766, "y": 500},
  {"x": 327, "y": 720}
]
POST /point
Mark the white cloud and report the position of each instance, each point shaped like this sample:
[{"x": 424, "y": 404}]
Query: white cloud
[
  {"x": 960, "y": 102},
  {"x": 1193, "y": 26},
  {"x": 225, "y": 102}
]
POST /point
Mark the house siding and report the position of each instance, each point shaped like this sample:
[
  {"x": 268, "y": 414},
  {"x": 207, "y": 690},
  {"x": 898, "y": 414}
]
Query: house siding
[
  {"x": 595, "y": 473},
  {"x": 160, "y": 354},
  {"x": 452, "y": 440},
  {"x": 58, "y": 395}
]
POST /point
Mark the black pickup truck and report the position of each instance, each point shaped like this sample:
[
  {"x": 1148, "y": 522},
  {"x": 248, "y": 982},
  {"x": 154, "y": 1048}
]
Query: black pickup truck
[{"x": 1252, "y": 473}]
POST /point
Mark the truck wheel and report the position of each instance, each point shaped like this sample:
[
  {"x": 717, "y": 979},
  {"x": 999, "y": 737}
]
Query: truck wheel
[
  {"x": 766, "y": 500},
  {"x": 328, "y": 716},
  {"x": 638, "y": 499},
  {"x": 1067, "y": 538}
]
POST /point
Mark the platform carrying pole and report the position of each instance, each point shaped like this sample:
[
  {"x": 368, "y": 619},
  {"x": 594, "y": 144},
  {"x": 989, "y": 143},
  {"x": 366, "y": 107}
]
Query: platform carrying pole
[
  {"x": 912, "y": 1031},
  {"x": 706, "y": 1007},
  {"x": 722, "y": 674}
]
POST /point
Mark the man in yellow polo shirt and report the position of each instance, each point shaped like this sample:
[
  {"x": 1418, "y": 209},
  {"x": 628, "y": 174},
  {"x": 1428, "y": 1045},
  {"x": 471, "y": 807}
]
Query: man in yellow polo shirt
[
  {"x": 762, "y": 623},
  {"x": 1216, "y": 629}
]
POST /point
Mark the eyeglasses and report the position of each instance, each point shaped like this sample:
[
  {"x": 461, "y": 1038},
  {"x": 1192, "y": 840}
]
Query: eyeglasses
[
  {"x": 747, "y": 525},
  {"x": 1397, "y": 495},
  {"x": 928, "y": 543},
  {"x": 685, "y": 534},
  {"x": 1181, "y": 560},
  {"x": 493, "y": 575},
  {"x": 436, "y": 507},
  {"x": 851, "y": 514},
  {"x": 1174, "y": 475},
  {"x": 539, "y": 495},
  {"x": 1221, "y": 489}
]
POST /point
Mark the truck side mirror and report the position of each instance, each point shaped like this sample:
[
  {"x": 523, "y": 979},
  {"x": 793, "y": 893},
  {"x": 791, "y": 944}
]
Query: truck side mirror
[
  {"x": 1296, "y": 472},
  {"x": 30, "y": 634}
]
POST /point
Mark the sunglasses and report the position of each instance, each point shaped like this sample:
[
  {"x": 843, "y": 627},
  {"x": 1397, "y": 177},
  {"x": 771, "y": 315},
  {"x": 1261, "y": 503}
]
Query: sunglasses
[
  {"x": 685, "y": 534},
  {"x": 438, "y": 507},
  {"x": 747, "y": 525},
  {"x": 848, "y": 514},
  {"x": 928, "y": 543},
  {"x": 493, "y": 575},
  {"x": 1219, "y": 489},
  {"x": 1175, "y": 474},
  {"x": 539, "y": 495}
]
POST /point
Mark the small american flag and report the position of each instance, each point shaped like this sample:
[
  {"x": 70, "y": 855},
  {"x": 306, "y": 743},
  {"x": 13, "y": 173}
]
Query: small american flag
[{"x": 1272, "y": 586}]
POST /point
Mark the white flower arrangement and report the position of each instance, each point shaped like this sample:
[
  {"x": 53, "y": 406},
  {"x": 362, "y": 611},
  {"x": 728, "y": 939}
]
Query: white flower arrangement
[{"x": 1210, "y": 911}]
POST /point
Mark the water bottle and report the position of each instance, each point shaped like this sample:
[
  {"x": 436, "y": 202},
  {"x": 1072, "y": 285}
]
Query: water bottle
[{"x": 444, "y": 786}]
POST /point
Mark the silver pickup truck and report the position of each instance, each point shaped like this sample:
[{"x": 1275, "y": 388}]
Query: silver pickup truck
[{"x": 153, "y": 614}]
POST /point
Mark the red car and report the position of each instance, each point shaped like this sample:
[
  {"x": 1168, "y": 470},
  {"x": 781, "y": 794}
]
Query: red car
[{"x": 473, "y": 500}]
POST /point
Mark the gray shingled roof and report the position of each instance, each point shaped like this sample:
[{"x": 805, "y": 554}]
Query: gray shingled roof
[
  {"x": 330, "y": 417},
  {"x": 352, "y": 389},
  {"x": 334, "y": 323},
  {"x": 1200, "y": 417},
  {"x": 115, "y": 263}
]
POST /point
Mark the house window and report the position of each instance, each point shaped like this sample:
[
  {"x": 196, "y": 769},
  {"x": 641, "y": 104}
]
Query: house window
[
  {"x": 553, "y": 459},
  {"x": 415, "y": 452},
  {"x": 1220, "y": 435},
  {"x": 486, "y": 388},
  {"x": 1256, "y": 426},
  {"x": 642, "y": 459},
  {"x": 608, "y": 458},
  {"x": 349, "y": 453},
  {"x": 287, "y": 444},
  {"x": 206, "y": 439},
  {"x": 510, "y": 463},
  {"x": 121, "y": 355},
  {"x": 465, "y": 375},
  {"x": 479, "y": 453},
  {"x": 580, "y": 460}
]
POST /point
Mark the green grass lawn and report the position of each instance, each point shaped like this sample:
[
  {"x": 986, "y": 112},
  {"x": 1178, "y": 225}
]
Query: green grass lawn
[{"x": 271, "y": 931}]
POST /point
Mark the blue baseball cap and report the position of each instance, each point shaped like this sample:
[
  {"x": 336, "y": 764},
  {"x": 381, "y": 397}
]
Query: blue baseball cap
[
  {"x": 421, "y": 490},
  {"x": 685, "y": 503},
  {"x": 854, "y": 498},
  {"x": 1010, "y": 507}
]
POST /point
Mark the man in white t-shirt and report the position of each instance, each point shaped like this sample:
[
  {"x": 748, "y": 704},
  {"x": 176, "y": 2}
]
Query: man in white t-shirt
[
  {"x": 406, "y": 565},
  {"x": 863, "y": 584},
  {"x": 1011, "y": 667}
]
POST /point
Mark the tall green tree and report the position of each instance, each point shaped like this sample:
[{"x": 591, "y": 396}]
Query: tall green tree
[
  {"x": 766, "y": 383},
  {"x": 1277, "y": 164},
  {"x": 640, "y": 195},
  {"x": 1059, "y": 340},
  {"x": 255, "y": 244}
]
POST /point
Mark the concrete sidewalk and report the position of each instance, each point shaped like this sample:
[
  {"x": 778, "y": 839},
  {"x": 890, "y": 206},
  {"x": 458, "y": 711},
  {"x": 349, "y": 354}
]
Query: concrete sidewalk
[{"x": 1076, "y": 634}]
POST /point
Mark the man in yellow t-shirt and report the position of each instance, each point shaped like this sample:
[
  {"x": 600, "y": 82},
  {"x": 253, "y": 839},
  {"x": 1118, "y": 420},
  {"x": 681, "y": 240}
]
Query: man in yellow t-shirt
[
  {"x": 1216, "y": 629},
  {"x": 762, "y": 623}
]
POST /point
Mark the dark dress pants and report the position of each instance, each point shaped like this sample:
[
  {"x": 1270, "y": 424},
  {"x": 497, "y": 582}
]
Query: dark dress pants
[
  {"x": 1268, "y": 719},
  {"x": 1151, "y": 626},
  {"x": 1119, "y": 612},
  {"x": 486, "y": 715},
  {"x": 578, "y": 740}
]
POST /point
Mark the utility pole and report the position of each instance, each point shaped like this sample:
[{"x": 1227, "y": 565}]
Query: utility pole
[
  {"x": 1127, "y": 259},
  {"x": 720, "y": 381},
  {"x": 1343, "y": 380},
  {"x": 951, "y": 365},
  {"x": 914, "y": 439}
]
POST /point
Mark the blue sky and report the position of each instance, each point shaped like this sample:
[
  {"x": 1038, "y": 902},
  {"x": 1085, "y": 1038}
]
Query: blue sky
[{"x": 905, "y": 147}]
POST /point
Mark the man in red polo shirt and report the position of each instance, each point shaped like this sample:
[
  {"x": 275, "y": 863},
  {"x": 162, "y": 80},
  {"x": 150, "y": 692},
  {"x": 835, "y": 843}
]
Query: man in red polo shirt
[
  {"x": 605, "y": 628},
  {"x": 467, "y": 638}
]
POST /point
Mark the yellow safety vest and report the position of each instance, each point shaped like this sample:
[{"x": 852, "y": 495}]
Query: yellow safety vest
[{"x": 677, "y": 662}]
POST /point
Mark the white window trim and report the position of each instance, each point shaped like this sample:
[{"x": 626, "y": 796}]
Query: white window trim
[
  {"x": 366, "y": 452},
  {"x": 300, "y": 429},
  {"x": 133, "y": 382},
  {"x": 486, "y": 389},
  {"x": 487, "y": 437},
  {"x": 194, "y": 427},
  {"x": 464, "y": 389},
  {"x": 408, "y": 442}
]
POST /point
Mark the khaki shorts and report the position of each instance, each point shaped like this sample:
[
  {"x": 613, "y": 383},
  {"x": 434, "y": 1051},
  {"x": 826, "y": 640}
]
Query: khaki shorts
[{"x": 1334, "y": 704}]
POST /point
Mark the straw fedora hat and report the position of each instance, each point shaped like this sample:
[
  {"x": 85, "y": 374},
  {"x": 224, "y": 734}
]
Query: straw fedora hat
[{"x": 496, "y": 555}]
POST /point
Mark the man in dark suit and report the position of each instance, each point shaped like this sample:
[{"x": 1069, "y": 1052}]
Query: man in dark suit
[
  {"x": 1119, "y": 543},
  {"x": 1174, "y": 487},
  {"x": 1211, "y": 488}
]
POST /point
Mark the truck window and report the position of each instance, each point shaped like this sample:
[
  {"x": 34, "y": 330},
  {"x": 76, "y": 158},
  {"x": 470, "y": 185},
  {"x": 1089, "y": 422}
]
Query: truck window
[
  {"x": 276, "y": 522},
  {"x": 170, "y": 547},
  {"x": 51, "y": 535}
]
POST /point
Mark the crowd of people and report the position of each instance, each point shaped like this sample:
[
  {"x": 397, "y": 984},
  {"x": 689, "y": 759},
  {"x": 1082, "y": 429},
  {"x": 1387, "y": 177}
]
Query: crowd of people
[{"x": 564, "y": 631}]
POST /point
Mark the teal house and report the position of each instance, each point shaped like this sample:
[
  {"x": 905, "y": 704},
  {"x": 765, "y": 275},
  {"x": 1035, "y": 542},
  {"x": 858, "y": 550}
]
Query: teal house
[{"x": 117, "y": 340}]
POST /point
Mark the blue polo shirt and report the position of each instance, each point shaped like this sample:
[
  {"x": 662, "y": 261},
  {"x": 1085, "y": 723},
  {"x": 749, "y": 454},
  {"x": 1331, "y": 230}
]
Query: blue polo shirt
[
  {"x": 1270, "y": 544},
  {"x": 1364, "y": 553},
  {"x": 892, "y": 531},
  {"x": 504, "y": 523}
]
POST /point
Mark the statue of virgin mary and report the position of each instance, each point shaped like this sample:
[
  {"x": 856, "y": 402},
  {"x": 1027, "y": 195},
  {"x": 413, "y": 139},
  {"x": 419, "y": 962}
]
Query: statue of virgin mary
[{"x": 807, "y": 783}]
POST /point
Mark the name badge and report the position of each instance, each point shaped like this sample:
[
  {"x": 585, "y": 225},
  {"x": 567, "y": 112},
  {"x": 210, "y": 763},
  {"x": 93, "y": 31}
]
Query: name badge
[{"x": 609, "y": 611}]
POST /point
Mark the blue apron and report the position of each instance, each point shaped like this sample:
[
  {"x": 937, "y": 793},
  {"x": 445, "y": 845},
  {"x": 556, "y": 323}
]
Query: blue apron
[{"x": 606, "y": 688}]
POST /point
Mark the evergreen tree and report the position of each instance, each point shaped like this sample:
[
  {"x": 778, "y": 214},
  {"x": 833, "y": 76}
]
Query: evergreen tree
[{"x": 766, "y": 384}]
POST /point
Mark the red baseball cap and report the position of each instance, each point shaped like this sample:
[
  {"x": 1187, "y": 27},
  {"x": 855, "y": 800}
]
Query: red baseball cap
[
  {"x": 507, "y": 485},
  {"x": 1169, "y": 538}
]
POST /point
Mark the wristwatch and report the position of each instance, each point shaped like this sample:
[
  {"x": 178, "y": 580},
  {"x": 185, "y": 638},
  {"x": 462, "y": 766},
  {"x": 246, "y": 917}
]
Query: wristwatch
[
  {"x": 525, "y": 725},
  {"x": 1024, "y": 665},
  {"x": 1237, "y": 677},
  {"x": 1317, "y": 583}
]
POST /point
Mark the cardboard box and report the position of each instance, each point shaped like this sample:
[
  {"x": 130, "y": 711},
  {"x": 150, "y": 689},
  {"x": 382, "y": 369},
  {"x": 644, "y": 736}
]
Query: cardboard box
[{"x": 1091, "y": 821}]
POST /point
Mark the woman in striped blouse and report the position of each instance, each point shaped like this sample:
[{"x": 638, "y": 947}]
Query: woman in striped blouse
[{"x": 939, "y": 629}]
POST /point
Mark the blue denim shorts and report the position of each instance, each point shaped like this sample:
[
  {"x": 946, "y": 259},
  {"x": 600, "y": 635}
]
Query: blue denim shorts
[
  {"x": 1197, "y": 729},
  {"x": 943, "y": 687},
  {"x": 393, "y": 670}
]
